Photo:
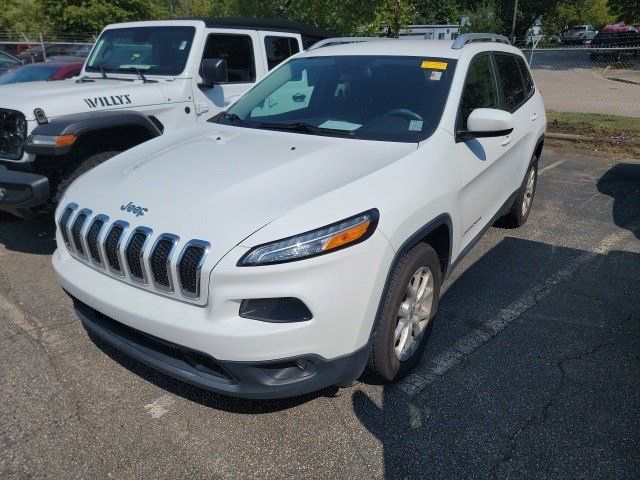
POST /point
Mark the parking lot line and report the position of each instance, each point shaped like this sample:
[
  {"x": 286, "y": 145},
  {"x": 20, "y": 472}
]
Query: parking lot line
[
  {"x": 550, "y": 167},
  {"x": 435, "y": 367}
]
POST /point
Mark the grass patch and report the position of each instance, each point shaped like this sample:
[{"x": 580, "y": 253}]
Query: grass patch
[{"x": 594, "y": 124}]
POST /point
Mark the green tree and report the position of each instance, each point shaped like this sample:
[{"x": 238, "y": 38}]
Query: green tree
[
  {"x": 439, "y": 11},
  {"x": 576, "y": 12},
  {"x": 483, "y": 18},
  {"x": 626, "y": 10},
  {"x": 82, "y": 17}
]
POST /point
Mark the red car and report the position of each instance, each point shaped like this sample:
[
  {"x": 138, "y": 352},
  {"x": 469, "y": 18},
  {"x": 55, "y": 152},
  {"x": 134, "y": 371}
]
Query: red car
[{"x": 33, "y": 72}]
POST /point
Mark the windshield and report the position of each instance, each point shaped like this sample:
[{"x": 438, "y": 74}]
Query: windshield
[
  {"x": 369, "y": 97},
  {"x": 28, "y": 74},
  {"x": 152, "y": 50},
  {"x": 7, "y": 61}
]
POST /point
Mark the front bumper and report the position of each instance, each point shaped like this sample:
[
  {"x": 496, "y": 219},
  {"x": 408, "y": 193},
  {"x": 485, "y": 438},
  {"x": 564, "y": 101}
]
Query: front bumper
[
  {"x": 22, "y": 191},
  {"x": 342, "y": 290},
  {"x": 282, "y": 378}
]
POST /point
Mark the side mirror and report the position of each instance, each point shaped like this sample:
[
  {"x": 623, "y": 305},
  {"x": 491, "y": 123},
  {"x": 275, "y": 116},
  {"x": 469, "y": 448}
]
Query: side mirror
[
  {"x": 213, "y": 71},
  {"x": 487, "y": 122}
]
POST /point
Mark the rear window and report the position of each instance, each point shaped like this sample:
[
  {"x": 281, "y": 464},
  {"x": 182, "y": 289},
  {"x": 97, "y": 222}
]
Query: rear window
[
  {"x": 279, "y": 49},
  {"x": 510, "y": 81}
]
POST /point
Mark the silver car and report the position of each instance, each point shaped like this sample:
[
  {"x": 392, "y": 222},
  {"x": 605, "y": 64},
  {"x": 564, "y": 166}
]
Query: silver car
[{"x": 580, "y": 34}]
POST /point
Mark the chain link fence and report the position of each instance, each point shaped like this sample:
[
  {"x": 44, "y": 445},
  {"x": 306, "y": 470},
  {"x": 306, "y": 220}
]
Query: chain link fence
[
  {"x": 37, "y": 48},
  {"x": 588, "y": 80}
]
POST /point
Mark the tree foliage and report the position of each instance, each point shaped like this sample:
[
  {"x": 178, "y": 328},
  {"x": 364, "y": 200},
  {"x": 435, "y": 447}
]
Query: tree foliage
[{"x": 344, "y": 17}]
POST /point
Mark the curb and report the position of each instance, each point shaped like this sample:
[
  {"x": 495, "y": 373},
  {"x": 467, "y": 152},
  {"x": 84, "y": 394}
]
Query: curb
[{"x": 584, "y": 138}]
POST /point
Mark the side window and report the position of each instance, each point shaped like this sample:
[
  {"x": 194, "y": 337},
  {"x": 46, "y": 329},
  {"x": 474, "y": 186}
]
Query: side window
[
  {"x": 510, "y": 81},
  {"x": 526, "y": 76},
  {"x": 279, "y": 49},
  {"x": 237, "y": 51},
  {"x": 480, "y": 90}
]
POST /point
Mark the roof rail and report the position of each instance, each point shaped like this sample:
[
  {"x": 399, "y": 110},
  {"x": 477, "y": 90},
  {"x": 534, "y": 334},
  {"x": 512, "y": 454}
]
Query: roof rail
[
  {"x": 342, "y": 40},
  {"x": 465, "y": 38}
]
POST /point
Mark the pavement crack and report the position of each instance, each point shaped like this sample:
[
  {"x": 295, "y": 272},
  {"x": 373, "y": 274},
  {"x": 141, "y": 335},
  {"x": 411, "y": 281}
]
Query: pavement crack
[{"x": 543, "y": 415}]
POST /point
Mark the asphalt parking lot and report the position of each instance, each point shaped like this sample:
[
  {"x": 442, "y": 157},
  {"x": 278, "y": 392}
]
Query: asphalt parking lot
[{"x": 533, "y": 370}]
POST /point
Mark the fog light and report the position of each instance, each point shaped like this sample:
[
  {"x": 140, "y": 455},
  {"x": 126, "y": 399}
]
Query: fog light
[{"x": 276, "y": 310}]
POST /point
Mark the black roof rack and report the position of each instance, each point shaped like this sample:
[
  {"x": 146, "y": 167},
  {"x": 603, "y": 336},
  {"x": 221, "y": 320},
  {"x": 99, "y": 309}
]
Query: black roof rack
[{"x": 275, "y": 24}]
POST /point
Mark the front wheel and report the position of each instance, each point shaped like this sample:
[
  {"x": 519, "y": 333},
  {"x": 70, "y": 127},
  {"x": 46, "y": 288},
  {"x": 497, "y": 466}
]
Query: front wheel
[{"x": 406, "y": 320}]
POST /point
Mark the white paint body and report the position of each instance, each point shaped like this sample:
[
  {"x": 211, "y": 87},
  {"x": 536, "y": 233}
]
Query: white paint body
[
  {"x": 165, "y": 99},
  {"x": 240, "y": 187}
]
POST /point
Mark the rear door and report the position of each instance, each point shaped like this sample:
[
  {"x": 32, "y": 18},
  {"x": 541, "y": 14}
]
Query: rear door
[
  {"x": 293, "y": 95},
  {"x": 483, "y": 162},
  {"x": 517, "y": 91}
]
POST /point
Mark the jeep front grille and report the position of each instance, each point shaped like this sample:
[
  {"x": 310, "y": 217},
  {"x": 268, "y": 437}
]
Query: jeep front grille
[
  {"x": 138, "y": 256},
  {"x": 13, "y": 133}
]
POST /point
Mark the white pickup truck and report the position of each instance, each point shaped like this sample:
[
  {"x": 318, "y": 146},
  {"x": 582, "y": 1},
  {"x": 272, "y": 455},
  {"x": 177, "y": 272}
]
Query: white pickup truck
[{"x": 141, "y": 79}]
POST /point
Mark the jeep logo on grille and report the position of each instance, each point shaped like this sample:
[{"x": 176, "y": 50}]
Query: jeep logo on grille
[
  {"x": 135, "y": 209},
  {"x": 110, "y": 101}
]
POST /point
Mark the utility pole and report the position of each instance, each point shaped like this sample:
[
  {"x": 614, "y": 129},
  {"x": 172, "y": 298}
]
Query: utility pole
[{"x": 513, "y": 25}]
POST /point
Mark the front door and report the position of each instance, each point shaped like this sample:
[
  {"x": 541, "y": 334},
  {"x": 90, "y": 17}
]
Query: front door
[
  {"x": 241, "y": 52},
  {"x": 485, "y": 181}
]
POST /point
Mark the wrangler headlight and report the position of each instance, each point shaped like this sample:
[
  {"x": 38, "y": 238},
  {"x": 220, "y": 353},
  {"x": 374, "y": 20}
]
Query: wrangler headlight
[{"x": 323, "y": 240}]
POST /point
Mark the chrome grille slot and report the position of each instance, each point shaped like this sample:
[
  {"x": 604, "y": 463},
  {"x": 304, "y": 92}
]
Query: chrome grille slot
[
  {"x": 190, "y": 266},
  {"x": 93, "y": 237},
  {"x": 160, "y": 262},
  {"x": 134, "y": 252},
  {"x": 112, "y": 247},
  {"x": 76, "y": 232},
  {"x": 64, "y": 223}
]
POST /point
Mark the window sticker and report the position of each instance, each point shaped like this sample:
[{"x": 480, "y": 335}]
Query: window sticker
[
  {"x": 183, "y": 45},
  {"x": 415, "y": 125},
  {"x": 435, "y": 76},
  {"x": 434, "y": 65},
  {"x": 340, "y": 125}
]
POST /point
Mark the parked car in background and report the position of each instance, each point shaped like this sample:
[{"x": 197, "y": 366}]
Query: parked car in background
[
  {"x": 580, "y": 34},
  {"x": 43, "y": 71},
  {"x": 615, "y": 44},
  {"x": 8, "y": 62},
  {"x": 142, "y": 80},
  {"x": 35, "y": 54}
]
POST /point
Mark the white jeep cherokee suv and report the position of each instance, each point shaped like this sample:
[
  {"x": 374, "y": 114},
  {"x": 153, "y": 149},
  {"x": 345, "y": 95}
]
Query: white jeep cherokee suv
[{"x": 308, "y": 232}]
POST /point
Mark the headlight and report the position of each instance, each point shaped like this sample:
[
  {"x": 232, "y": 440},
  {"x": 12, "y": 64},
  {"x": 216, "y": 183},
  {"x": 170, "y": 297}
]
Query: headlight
[{"x": 327, "y": 239}]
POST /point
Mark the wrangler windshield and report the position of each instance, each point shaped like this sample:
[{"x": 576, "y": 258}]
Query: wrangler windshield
[
  {"x": 391, "y": 98},
  {"x": 150, "y": 50}
]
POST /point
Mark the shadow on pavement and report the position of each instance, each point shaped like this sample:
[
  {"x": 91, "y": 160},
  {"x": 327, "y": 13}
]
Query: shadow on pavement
[
  {"x": 521, "y": 387},
  {"x": 34, "y": 235},
  {"x": 622, "y": 183}
]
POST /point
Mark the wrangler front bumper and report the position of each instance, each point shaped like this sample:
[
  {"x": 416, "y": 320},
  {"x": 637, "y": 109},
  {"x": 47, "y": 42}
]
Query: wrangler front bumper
[{"x": 22, "y": 191}]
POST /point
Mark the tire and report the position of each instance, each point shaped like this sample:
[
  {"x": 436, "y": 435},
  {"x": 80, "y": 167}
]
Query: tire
[
  {"x": 384, "y": 362},
  {"x": 77, "y": 169},
  {"x": 521, "y": 207}
]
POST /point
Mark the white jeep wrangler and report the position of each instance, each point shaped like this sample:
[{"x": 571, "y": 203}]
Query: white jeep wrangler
[
  {"x": 141, "y": 79},
  {"x": 274, "y": 253}
]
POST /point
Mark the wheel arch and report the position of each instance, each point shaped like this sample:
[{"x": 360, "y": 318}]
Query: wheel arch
[
  {"x": 438, "y": 233},
  {"x": 115, "y": 129}
]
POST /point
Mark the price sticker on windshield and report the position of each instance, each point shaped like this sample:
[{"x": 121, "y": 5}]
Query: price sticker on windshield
[{"x": 430, "y": 65}]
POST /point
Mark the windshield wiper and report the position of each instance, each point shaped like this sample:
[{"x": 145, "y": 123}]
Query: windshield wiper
[
  {"x": 138, "y": 72},
  {"x": 236, "y": 119},
  {"x": 303, "y": 127}
]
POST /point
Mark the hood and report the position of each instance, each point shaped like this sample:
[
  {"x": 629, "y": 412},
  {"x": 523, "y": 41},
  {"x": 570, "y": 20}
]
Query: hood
[
  {"x": 65, "y": 97},
  {"x": 221, "y": 184}
]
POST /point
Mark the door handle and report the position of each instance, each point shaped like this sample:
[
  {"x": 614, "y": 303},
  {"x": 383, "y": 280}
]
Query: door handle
[
  {"x": 534, "y": 117},
  {"x": 298, "y": 97},
  {"x": 506, "y": 141}
]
